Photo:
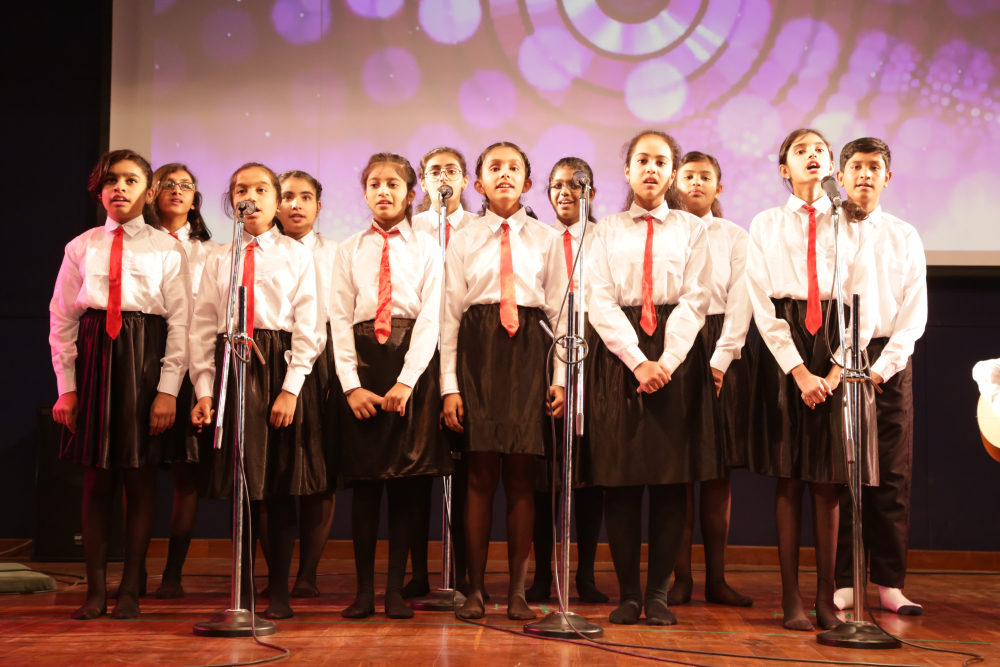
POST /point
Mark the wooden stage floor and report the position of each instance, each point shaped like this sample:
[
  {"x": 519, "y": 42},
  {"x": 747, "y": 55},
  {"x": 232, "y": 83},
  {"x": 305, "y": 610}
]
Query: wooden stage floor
[{"x": 961, "y": 612}]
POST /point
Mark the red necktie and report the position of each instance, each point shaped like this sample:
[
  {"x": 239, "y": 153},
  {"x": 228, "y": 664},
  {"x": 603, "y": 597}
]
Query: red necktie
[
  {"x": 174, "y": 234},
  {"x": 447, "y": 235},
  {"x": 814, "y": 315},
  {"x": 508, "y": 294},
  {"x": 113, "y": 324},
  {"x": 383, "y": 313},
  {"x": 648, "y": 319},
  {"x": 248, "y": 276},
  {"x": 568, "y": 249}
]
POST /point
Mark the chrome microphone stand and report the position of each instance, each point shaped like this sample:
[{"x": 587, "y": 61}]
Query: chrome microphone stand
[
  {"x": 236, "y": 621},
  {"x": 445, "y": 598},
  {"x": 564, "y": 623},
  {"x": 855, "y": 633}
]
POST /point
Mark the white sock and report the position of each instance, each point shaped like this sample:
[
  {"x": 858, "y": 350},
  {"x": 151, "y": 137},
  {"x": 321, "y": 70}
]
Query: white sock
[
  {"x": 893, "y": 600},
  {"x": 844, "y": 598}
]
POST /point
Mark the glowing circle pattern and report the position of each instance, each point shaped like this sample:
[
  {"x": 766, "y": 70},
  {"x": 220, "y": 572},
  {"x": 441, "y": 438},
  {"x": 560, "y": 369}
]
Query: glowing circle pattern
[
  {"x": 450, "y": 21},
  {"x": 301, "y": 21},
  {"x": 319, "y": 84}
]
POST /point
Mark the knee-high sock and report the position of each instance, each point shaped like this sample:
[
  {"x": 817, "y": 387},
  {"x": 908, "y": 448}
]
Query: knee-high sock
[{"x": 623, "y": 514}]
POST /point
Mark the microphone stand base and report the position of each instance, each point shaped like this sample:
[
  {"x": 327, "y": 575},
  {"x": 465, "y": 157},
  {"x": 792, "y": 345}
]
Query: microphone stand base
[
  {"x": 857, "y": 634},
  {"x": 235, "y": 623},
  {"x": 443, "y": 599},
  {"x": 565, "y": 626}
]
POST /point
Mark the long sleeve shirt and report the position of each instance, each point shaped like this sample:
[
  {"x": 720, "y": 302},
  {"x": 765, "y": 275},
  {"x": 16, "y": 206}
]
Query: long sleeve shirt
[
  {"x": 472, "y": 277},
  {"x": 324, "y": 252},
  {"x": 901, "y": 273},
  {"x": 728, "y": 293},
  {"x": 154, "y": 281},
  {"x": 415, "y": 270},
  {"x": 777, "y": 268},
  {"x": 284, "y": 300},
  {"x": 682, "y": 273}
]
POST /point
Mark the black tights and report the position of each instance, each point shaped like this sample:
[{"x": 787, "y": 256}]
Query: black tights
[
  {"x": 404, "y": 496},
  {"x": 588, "y": 510},
  {"x": 99, "y": 486},
  {"x": 484, "y": 470},
  {"x": 315, "y": 521},
  {"x": 788, "y": 513},
  {"x": 183, "y": 509},
  {"x": 623, "y": 516}
]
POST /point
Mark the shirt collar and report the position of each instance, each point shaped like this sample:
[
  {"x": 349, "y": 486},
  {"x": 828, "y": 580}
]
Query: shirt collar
[
  {"x": 131, "y": 228},
  {"x": 183, "y": 233},
  {"x": 455, "y": 218},
  {"x": 267, "y": 238},
  {"x": 310, "y": 240},
  {"x": 574, "y": 230},
  {"x": 403, "y": 227},
  {"x": 516, "y": 221},
  {"x": 875, "y": 217},
  {"x": 822, "y": 205},
  {"x": 659, "y": 213}
]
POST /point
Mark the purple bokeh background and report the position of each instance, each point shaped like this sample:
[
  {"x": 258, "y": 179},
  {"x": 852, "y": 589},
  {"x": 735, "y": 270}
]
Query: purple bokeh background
[{"x": 319, "y": 85}]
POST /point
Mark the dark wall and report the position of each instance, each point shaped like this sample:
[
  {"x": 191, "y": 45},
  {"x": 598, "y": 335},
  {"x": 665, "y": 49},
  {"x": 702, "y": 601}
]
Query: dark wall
[
  {"x": 54, "y": 123},
  {"x": 55, "y": 127}
]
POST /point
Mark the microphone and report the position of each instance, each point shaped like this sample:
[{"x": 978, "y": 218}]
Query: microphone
[
  {"x": 246, "y": 207},
  {"x": 444, "y": 192},
  {"x": 580, "y": 179},
  {"x": 829, "y": 184}
]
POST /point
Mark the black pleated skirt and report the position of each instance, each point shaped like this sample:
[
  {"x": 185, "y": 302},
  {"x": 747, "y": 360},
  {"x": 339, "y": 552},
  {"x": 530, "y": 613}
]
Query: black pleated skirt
[
  {"x": 657, "y": 438},
  {"x": 180, "y": 441},
  {"x": 329, "y": 392},
  {"x": 732, "y": 406},
  {"x": 502, "y": 382},
  {"x": 789, "y": 440},
  {"x": 277, "y": 462},
  {"x": 388, "y": 446},
  {"x": 116, "y": 382}
]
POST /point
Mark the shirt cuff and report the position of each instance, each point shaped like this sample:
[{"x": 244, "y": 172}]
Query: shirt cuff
[
  {"x": 408, "y": 377},
  {"x": 633, "y": 356},
  {"x": 449, "y": 384},
  {"x": 66, "y": 383},
  {"x": 170, "y": 383},
  {"x": 788, "y": 358},
  {"x": 294, "y": 379},
  {"x": 203, "y": 387},
  {"x": 885, "y": 370},
  {"x": 349, "y": 381},
  {"x": 671, "y": 361},
  {"x": 720, "y": 361}
]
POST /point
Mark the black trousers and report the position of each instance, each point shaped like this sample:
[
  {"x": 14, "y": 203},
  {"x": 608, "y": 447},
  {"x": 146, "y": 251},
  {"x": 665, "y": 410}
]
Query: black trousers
[{"x": 885, "y": 508}]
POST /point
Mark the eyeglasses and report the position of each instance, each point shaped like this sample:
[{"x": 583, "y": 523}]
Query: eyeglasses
[
  {"x": 185, "y": 186},
  {"x": 572, "y": 186},
  {"x": 449, "y": 173}
]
